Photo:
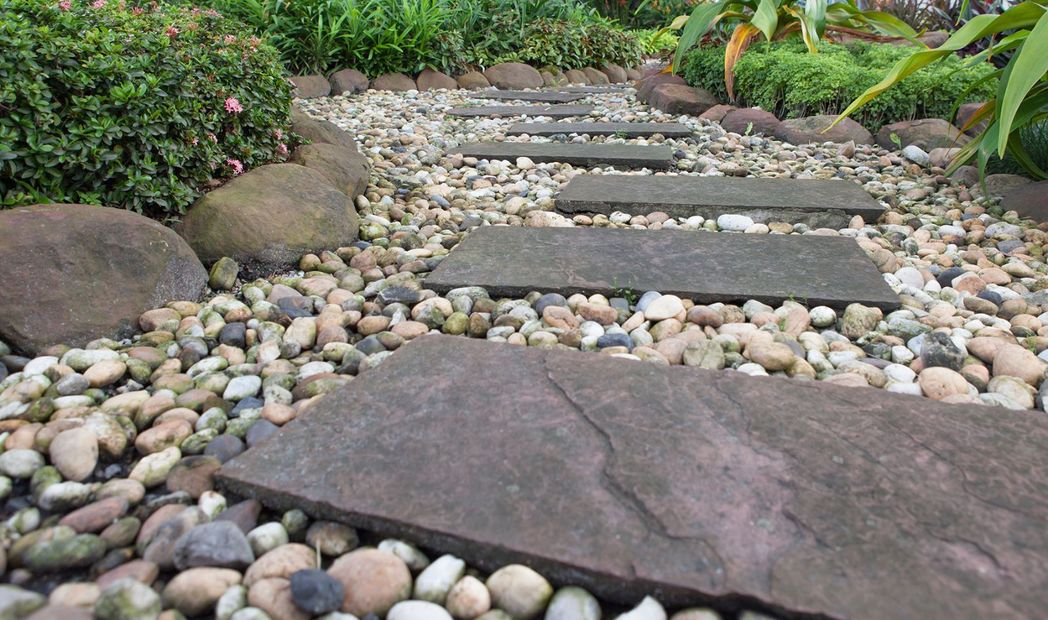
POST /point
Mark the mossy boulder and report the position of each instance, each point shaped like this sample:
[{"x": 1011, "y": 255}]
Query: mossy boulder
[
  {"x": 73, "y": 273},
  {"x": 267, "y": 218},
  {"x": 345, "y": 168}
]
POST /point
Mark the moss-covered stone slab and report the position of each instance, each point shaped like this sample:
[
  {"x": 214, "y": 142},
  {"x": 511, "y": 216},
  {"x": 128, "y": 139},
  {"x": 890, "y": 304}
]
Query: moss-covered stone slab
[
  {"x": 814, "y": 202},
  {"x": 552, "y": 111},
  {"x": 589, "y": 155},
  {"x": 705, "y": 267},
  {"x": 801, "y": 499},
  {"x": 624, "y": 130}
]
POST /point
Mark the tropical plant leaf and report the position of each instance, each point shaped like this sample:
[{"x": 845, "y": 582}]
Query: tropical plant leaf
[
  {"x": 740, "y": 40},
  {"x": 815, "y": 17},
  {"x": 766, "y": 18},
  {"x": 1026, "y": 68},
  {"x": 702, "y": 18}
]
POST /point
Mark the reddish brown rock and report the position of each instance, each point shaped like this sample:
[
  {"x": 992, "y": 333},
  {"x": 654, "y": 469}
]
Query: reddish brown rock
[
  {"x": 926, "y": 133},
  {"x": 575, "y": 76},
  {"x": 595, "y": 76},
  {"x": 348, "y": 81},
  {"x": 473, "y": 80},
  {"x": 750, "y": 121},
  {"x": 373, "y": 580},
  {"x": 435, "y": 80},
  {"x": 513, "y": 75},
  {"x": 96, "y": 516},
  {"x": 646, "y": 86},
  {"x": 615, "y": 73},
  {"x": 397, "y": 82},
  {"x": 812, "y": 499},
  {"x": 311, "y": 86},
  {"x": 814, "y": 129},
  {"x": 194, "y": 475},
  {"x": 59, "y": 287},
  {"x": 717, "y": 112},
  {"x": 681, "y": 99}
]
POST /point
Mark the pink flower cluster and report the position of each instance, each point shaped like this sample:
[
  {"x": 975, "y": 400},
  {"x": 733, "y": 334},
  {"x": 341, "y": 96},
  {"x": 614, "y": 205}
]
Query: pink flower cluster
[
  {"x": 65, "y": 5},
  {"x": 282, "y": 149},
  {"x": 171, "y": 32},
  {"x": 236, "y": 165},
  {"x": 97, "y": 4},
  {"x": 233, "y": 106}
]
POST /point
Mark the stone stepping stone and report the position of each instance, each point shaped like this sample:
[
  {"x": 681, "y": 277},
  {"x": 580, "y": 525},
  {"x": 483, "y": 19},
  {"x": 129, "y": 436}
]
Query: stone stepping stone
[
  {"x": 814, "y": 202},
  {"x": 529, "y": 95},
  {"x": 625, "y": 130},
  {"x": 596, "y": 90},
  {"x": 589, "y": 155},
  {"x": 699, "y": 486},
  {"x": 706, "y": 267},
  {"x": 552, "y": 111}
]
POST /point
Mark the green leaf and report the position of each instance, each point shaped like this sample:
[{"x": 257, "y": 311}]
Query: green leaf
[
  {"x": 1027, "y": 67},
  {"x": 766, "y": 18},
  {"x": 815, "y": 16},
  {"x": 702, "y": 18}
]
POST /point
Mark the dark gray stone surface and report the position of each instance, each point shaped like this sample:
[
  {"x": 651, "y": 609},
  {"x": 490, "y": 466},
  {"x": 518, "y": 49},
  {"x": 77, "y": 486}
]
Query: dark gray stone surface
[
  {"x": 1030, "y": 200},
  {"x": 552, "y": 111},
  {"x": 619, "y": 155},
  {"x": 702, "y": 266},
  {"x": 694, "y": 486},
  {"x": 628, "y": 130},
  {"x": 595, "y": 90},
  {"x": 815, "y": 202},
  {"x": 545, "y": 96}
]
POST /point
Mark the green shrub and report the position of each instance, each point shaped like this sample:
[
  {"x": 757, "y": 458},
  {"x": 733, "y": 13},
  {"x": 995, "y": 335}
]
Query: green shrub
[
  {"x": 105, "y": 103},
  {"x": 656, "y": 42},
  {"x": 573, "y": 45},
  {"x": 785, "y": 79}
]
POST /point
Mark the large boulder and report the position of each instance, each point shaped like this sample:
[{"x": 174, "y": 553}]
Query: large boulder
[
  {"x": 316, "y": 130},
  {"x": 345, "y": 168},
  {"x": 616, "y": 74},
  {"x": 74, "y": 273},
  {"x": 1030, "y": 200},
  {"x": 681, "y": 99},
  {"x": 311, "y": 86},
  {"x": 965, "y": 113},
  {"x": 809, "y": 129},
  {"x": 513, "y": 75},
  {"x": 348, "y": 81},
  {"x": 397, "y": 82},
  {"x": 925, "y": 133},
  {"x": 575, "y": 76},
  {"x": 750, "y": 121},
  {"x": 473, "y": 80},
  {"x": 267, "y": 218},
  {"x": 435, "y": 80},
  {"x": 648, "y": 84},
  {"x": 595, "y": 76}
]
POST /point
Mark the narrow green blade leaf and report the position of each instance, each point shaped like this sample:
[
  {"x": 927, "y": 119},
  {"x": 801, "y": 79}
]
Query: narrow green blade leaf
[
  {"x": 766, "y": 18},
  {"x": 698, "y": 24},
  {"x": 1028, "y": 66}
]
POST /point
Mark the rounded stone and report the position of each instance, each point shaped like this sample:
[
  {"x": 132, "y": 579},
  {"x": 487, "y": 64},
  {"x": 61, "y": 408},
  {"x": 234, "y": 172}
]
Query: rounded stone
[
  {"x": 315, "y": 591},
  {"x": 194, "y": 592},
  {"x": 519, "y": 591},
  {"x": 573, "y": 603},
  {"x": 417, "y": 610},
  {"x": 374, "y": 581},
  {"x": 127, "y": 599},
  {"x": 468, "y": 598}
]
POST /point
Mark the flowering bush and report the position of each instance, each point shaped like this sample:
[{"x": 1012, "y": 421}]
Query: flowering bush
[{"x": 144, "y": 107}]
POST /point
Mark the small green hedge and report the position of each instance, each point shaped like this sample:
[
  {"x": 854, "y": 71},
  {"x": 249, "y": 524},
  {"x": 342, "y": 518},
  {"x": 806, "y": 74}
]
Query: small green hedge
[
  {"x": 139, "y": 107},
  {"x": 785, "y": 79},
  {"x": 574, "y": 45}
]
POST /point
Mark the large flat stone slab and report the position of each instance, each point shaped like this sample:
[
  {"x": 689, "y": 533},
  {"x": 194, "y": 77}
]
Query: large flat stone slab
[
  {"x": 546, "y": 96},
  {"x": 552, "y": 111},
  {"x": 618, "y": 155},
  {"x": 694, "y": 486},
  {"x": 596, "y": 90},
  {"x": 703, "y": 266},
  {"x": 625, "y": 130},
  {"x": 815, "y": 202}
]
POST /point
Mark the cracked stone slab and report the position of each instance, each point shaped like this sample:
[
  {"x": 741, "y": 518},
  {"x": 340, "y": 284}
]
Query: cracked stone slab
[
  {"x": 544, "y": 96},
  {"x": 818, "y": 203},
  {"x": 703, "y": 266},
  {"x": 551, "y": 111},
  {"x": 626, "y": 130},
  {"x": 589, "y": 155},
  {"x": 694, "y": 486}
]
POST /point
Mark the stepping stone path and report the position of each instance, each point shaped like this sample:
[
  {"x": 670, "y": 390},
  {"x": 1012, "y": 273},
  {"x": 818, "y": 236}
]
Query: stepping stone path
[
  {"x": 814, "y": 202},
  {"x": 625, "y": 130},
  {"x": 595, "y": 90},
  {"x": 705, "y": 267},
  {"x": 629, "y": 479},
  {"x": 529, "y": 95},
  {"x": 552, "y": 111},
  {"x": 589, "y": 155}
]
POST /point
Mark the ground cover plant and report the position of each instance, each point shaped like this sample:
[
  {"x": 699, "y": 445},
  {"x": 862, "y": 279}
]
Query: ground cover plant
[
  {"x": 785, "y": 79},
  {"x": 141, "y": 107},
  {"x": 384, "y": 36}
]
